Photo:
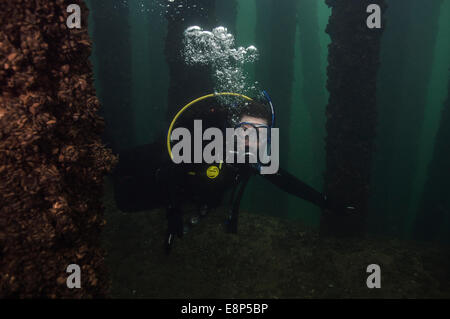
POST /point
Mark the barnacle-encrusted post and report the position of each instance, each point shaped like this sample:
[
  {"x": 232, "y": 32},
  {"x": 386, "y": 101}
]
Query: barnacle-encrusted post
[
  {"x": 52, "y": 161},
  {"x": 353, "y": 57}
]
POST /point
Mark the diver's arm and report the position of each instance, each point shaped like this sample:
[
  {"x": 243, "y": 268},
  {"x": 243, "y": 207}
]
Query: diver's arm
[{"x": 292, "y": 185}]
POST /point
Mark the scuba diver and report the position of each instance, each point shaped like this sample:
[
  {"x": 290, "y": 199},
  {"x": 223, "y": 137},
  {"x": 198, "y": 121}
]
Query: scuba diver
[{"x": 147, "y": 177}]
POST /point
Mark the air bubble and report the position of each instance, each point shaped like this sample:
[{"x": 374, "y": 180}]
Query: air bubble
[{"x": 216, "y": 48}]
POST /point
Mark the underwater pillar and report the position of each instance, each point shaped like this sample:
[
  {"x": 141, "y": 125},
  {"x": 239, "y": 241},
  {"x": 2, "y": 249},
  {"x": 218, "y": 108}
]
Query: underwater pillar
[
  {"x": 391, "y": 112},
  {"x": 410, "y": 111},
  {"x": 313, "y": 86},
  {"x": 354, "y": 54},
  {"x": 434, "y": 210},
  {"x": 52, "y": 160},
  {"x": 111, "y": 36},
  {"x": 186, "y": 82},
  {"x": 226, "y": 12},
  {"x": 276, "y": 26}
]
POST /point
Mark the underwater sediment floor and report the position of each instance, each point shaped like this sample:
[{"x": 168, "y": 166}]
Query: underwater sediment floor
[{"x": 268, "y": 258}]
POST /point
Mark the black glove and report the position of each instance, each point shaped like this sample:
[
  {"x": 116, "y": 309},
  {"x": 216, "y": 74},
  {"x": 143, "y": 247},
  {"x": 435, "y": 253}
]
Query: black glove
[
  {"x": 339, "y": 208},
  {"x": 348, "y": 210}
]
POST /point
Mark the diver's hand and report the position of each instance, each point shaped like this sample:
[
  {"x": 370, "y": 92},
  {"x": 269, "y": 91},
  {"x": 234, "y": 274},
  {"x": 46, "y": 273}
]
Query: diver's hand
[
  {"x": 341, "y": 209},
  {"x": 349, "y": 210}
]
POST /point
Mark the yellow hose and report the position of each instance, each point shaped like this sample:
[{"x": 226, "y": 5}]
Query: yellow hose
[{"x": 169, "y": 133}]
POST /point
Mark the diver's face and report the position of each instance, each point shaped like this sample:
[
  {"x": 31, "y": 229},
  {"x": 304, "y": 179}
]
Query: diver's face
[{"x": 254, "y": 120}]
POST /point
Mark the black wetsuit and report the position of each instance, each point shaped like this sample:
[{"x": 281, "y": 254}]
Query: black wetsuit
[{"x": 146, "y": 178}]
